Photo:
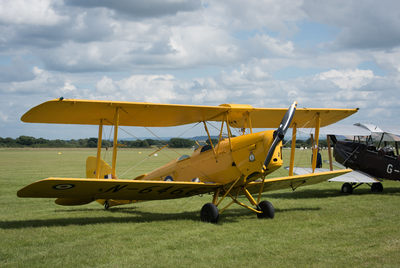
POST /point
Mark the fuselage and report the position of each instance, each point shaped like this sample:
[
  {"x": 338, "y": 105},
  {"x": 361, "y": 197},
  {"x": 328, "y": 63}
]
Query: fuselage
[
  {"x": 358, "y": 156},
  {"x": 232, "y": 158}
]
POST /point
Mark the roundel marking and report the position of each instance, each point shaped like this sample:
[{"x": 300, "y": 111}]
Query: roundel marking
[
  {"x": 168, "y": 178},
  {"x": 64, "y": 186},
  {"x": 252, "y": 157}
]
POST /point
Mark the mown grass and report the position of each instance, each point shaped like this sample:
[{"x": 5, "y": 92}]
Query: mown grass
[{"x": 313, "y": 226}]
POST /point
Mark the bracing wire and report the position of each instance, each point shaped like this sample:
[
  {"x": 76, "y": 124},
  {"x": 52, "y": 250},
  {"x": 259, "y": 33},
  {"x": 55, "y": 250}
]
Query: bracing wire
[
  {"x": 105, "y": 153},
  {"x": 159, "y": 138},
  {"x": 302, "y": 156}
]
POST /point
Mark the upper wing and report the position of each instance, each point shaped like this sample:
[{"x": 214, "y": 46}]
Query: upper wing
[
  {"x": 294, "y": 181},
  {"x": 87, "y": 112},
  {"x": 114, "y": 189},
  {"x": 354, "y": 176}
]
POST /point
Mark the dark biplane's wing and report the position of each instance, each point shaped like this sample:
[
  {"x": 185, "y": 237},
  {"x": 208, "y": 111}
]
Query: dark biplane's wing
[
  {"x": 352, "y": 177},
  {"x": 294, "y": 181}
]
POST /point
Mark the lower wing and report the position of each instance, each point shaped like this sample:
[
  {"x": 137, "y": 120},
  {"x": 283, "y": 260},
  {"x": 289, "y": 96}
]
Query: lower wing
[
  {"x": 294, "y": 182},
  {"x": 92, "y": 189},
  {"x": 355, "y": 176}
]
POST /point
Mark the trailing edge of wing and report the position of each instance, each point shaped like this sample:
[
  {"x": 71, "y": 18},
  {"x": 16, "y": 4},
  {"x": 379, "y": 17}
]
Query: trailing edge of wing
[
  {"x": 295, "y": 181},
  {"x": 114, "y": 189},
  {"x": 90, "y": 112}
]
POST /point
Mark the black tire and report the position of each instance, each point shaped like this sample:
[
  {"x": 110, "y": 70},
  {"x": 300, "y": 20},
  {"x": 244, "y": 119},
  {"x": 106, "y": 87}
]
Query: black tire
[
  {"x": 106, "y": 205},
  {"x": 347, "y": 188},
  {"x": 268, "y": 210},
  {"x": 377, "y": 187},
  {"x": 209, "y": 213}
]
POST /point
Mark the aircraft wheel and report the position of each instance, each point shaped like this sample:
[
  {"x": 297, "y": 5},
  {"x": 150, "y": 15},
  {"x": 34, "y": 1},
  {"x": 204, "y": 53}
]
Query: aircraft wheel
[
  {"x": 347, "y": 188},
  {"x": 268, "y": 210},
  {"x": 209, "y": 213},
  {"x": 376, "y": 187},
  {"x": 106, "y": 205}
]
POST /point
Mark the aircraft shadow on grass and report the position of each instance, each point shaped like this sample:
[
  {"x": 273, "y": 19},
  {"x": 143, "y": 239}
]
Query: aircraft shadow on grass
[
  {"x": 137, "y": 217},
  {"x": 327, "y": 193}
]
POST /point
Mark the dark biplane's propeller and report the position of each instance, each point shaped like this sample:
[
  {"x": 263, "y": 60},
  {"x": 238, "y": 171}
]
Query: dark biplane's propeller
[{"x": 279, "y": 134}]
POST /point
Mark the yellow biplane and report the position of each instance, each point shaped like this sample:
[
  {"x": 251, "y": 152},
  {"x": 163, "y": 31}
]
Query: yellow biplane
[{"x": 233, "y": 167}]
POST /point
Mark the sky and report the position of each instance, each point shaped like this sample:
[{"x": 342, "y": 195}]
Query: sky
[{"x": 322, "y": 54}]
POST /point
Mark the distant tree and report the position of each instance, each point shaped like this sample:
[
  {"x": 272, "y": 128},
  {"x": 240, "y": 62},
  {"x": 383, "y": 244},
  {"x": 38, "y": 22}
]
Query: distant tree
[
  {"x": 152, "y": 142},
  {"x": 57, "y": 143},
  {"x": 7, "y": 142},
  {"x": 25, "y": 140},
  {"x": 91, "y": 143},
  {"x": 180, "y": 143},
  {"x": 106, "y": 143},
  {"x": 135, "y": 143}
]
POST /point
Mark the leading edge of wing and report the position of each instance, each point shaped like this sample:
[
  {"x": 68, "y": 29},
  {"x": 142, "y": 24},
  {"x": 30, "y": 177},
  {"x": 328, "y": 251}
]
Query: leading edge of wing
[
  {"x": 295, "y": 181},
  {"x": 114, "y": 189},
  {"x": 90, "y": 112}
]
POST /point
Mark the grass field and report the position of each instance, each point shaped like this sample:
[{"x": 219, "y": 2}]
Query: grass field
[{"x": 313, "y": 226}]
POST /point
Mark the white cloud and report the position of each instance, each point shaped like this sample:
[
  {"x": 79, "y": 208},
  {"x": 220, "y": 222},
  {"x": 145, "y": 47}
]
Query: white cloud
[
  {"x": 3, "y": 117},
  {"x": 348, "y": 79},
  {"x": 106, "y": 85},
  {"x": 275, "y": 15},
  {"x": 389, "y": 60},
  {"x": 68, "y": 88},
  {"x": 35, "y": 12},
  {"x": 147, "y": 88},
  {"x": 201, "y": 45}
]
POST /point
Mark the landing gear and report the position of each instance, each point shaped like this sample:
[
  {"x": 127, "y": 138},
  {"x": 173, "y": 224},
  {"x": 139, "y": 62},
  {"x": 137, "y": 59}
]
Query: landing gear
[
  {"x": 209, "y": 213},
  {"x": 376, "y": 187},
  {"x": 267, "y": 209},
  {"x": 347, "y": 188},
  {"x": 106, "y": 205}
]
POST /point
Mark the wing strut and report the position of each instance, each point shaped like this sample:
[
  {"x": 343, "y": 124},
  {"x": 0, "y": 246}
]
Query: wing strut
[
  {"x": 115, "y": 142},
  {"x": 99, "y": 141},
  {"x": 248, "y": 120},
  {"x": 220, "y": 135},
  {"x": 315, "y": 147},
  {"x": 293, "y": 149},
  {"x": 209, "y": 138},
  {"x": 329, "y": 152},
  {"x": 228, "y": 130}
]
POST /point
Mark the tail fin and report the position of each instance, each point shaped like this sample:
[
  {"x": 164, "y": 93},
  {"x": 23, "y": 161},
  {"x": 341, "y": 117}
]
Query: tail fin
[{"x": 91, "y": 165}]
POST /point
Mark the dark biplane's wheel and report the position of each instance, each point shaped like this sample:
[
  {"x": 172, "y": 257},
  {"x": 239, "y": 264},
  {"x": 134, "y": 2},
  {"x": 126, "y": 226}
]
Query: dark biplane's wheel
[
  {"x": 106, "y": 205},
  {"x": 209, "y": 213},
  {"x": 267, "y": 209},
  {"x": 376, "y": 187},
  {"x": 347, "y": 188}
]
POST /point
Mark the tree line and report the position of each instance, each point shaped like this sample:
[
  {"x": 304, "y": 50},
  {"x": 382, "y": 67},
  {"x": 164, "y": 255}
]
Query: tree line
[{"x": 28, "y": 141}]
